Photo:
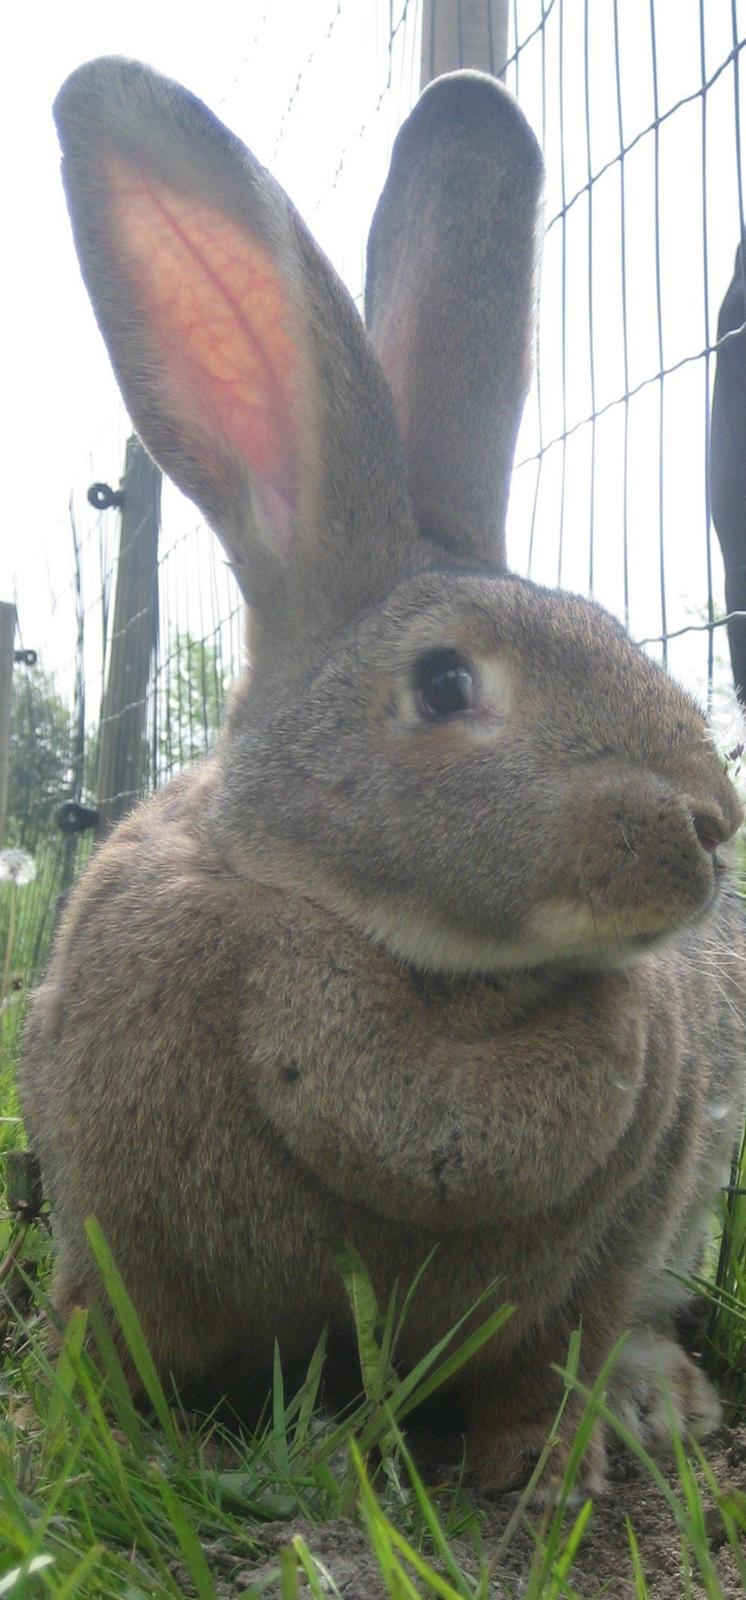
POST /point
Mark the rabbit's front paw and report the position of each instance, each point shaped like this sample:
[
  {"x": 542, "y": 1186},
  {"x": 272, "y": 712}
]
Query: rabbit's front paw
[
  {"x": 506, "y": 1460},
  {"x": 657, "y": 1386}
]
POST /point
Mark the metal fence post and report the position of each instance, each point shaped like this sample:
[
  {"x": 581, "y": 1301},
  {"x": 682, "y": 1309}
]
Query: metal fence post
[
  {"x": 122, "y": 757},
  {"x": 463, "y": 33},
  {"x": 7, "y": 635}
]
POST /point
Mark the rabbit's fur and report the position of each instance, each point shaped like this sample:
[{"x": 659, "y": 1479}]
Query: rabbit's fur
[{"x": 385, "y": 967}]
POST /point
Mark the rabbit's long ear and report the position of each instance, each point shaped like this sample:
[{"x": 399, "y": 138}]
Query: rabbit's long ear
[
  {"x": 450, "y": 302},
  {"x": 241, "y": 358},
  {"x": 728, "y": 460}
]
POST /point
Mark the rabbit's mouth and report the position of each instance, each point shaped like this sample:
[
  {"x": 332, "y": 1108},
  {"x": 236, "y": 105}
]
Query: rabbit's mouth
[
  {"x": 584, "y": 934},
  {"x": 648, "y": 941},
  {"x": 558, "y": 933}
]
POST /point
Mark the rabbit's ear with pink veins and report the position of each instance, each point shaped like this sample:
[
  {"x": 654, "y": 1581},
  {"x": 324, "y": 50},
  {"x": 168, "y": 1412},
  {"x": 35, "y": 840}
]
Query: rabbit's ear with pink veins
[
  {"x": 242, "y": 360},
  {"x": 450, "y": 302}
]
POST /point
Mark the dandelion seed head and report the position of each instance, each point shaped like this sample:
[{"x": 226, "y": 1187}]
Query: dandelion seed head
[{"x": 16, "y": 867}]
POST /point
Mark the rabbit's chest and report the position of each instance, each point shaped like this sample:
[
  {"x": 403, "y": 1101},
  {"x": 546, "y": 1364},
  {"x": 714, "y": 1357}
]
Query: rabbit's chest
[{"x": 472, "y": 1010}]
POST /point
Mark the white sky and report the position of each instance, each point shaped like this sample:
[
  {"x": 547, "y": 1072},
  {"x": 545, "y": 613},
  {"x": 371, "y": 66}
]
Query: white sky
[{"x": 328, "y": 61}]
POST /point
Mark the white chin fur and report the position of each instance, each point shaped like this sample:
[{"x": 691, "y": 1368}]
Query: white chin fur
[{"x": 558, "y": 931}]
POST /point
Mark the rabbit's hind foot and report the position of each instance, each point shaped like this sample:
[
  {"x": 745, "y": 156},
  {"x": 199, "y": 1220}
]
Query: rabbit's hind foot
[{"x": 657, "y": 1389}]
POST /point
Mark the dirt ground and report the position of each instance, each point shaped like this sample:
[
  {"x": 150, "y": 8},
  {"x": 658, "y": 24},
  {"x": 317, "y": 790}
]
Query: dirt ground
[{"x": 602, "y": 1567}]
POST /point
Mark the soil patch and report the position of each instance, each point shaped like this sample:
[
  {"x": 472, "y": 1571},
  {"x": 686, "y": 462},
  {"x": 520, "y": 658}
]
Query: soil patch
[{"x": 602, "y": 1567}]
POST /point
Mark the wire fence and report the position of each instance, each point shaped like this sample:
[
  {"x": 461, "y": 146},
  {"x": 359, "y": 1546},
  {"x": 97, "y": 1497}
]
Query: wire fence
[
  {"x": 640, "y": 120},
  {"x": 638, "y": 109}
]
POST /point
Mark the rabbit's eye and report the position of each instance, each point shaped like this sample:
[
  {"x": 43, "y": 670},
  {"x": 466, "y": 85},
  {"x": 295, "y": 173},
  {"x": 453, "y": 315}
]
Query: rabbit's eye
[{"x": 444, "y": 681}]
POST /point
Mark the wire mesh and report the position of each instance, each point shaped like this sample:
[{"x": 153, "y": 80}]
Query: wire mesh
[{"x": 638, "y": 108}]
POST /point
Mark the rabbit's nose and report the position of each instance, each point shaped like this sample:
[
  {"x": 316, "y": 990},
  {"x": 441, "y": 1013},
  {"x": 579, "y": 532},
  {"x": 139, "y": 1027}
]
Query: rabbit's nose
[
  {"x": 709, "y": 831},
  {"x": 713, "y": 827}
]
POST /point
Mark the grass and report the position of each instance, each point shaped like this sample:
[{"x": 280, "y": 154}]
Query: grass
[
  {"x": 727, "y": 1293},
  {"x": 98, "y": 1499}
]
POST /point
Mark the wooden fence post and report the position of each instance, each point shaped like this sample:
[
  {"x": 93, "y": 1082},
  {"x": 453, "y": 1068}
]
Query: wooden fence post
[
  {"x": 7, "y": 635},
  {"x": 463, "y": 33},
  {"x": 121, "y": 759}
]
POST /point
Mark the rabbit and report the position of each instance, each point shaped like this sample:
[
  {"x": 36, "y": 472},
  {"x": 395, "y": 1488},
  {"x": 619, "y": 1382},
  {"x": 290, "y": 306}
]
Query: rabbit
[
  {"x": 438, "y": 951},
  {"x": 728, "y": 460}
]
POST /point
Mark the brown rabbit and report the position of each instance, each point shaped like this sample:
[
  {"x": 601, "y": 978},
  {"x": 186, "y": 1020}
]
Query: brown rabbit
[{"x": 437, "y": 949}]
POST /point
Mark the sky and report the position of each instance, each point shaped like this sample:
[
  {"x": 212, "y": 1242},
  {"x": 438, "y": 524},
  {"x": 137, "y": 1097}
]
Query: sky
[{"x": 312, "y": 88}]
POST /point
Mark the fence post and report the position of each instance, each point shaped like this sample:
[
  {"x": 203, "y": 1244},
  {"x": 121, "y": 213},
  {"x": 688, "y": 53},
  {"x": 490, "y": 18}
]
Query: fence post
[
  {"x": 121, "y": 760},
  {"x": 7, "y": 635},
  {"x": 463, "y": 33}
]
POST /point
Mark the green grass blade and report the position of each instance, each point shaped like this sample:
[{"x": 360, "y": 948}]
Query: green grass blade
[
  {"x": 289, "y": 1586},
  {"x": 116, "y": 1383},
  {"x": 588, "y": 1420},
  {"x": 309, "y": 1395},
  {"x": 365, "y": 1314},
  {"x": 109, "y": 1458},
  {"x": 269, "y": 1581},
  {"x": 279, "y": 1426},
  {"x": 410, "y": 1294},
  {"x": 734, "y": 1502},
  {"x": 432, "y": 1522},
  {"x": 569, "y": 1378},
  {"x": 77, "y": 1578},
  {"x": 129, "y": 1323},
  {"x": 312, "y": 1570},
  {"x": 388, "y": 1335},
  {"x": 641, "y": 1588},
  {"x": 377, "y": 1528},
  {"x": 436, "y": 1584},
  {"x": 566, "y": 1556},
  {"x": 385, "y": 1539},
  {"x": 67, "y": 1469},
  {"x": 410, "y": 1393},
  {"x": 192, "y": 1553},
  {"x": 679, "y": 1511},
  {"x": 695, "y": 1534},
  {"x": 66, "y": 1369},
  {"x": 685, "y": 1565}
]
